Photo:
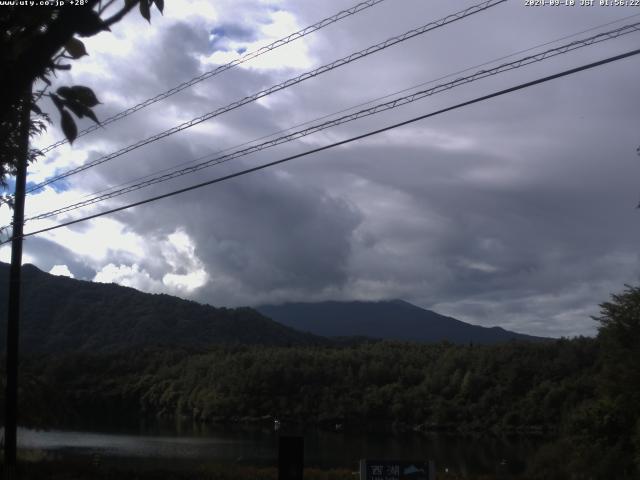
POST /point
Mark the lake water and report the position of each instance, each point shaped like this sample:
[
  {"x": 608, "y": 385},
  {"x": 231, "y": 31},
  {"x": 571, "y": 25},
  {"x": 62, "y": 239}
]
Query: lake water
[{"x": 255, "y": 446}]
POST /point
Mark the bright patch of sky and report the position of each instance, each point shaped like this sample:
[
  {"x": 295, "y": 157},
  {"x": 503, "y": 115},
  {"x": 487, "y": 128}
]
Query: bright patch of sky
[{"x": 61, "y": 270}]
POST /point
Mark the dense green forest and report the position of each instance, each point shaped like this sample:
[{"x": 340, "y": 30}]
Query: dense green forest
[
  {"x": 583, "y": 393},
  {"x": 530, "y": 387}
]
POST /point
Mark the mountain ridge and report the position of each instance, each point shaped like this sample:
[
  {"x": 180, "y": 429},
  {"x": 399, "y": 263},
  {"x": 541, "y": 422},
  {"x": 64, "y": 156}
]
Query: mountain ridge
[
  {"x": 62, "y": 314},
  {"x": 386, "y": 319}
]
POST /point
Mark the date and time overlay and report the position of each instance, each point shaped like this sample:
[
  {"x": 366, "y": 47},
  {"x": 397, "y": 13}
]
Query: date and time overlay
[
  {"x": 526, "y": 3},
  {"x": 582, "y": 3}
]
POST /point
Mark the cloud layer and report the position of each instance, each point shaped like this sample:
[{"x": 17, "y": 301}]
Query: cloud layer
[{"x": 516, "y": 212}]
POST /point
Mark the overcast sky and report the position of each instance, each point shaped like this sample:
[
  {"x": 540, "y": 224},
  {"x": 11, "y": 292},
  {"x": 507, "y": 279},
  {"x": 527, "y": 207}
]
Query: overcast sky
[{"x": 518, "y": 212}]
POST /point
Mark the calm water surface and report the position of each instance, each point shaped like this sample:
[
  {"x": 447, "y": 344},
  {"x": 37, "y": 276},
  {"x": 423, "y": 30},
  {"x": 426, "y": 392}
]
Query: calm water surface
[{"x": 473, "y": 455}]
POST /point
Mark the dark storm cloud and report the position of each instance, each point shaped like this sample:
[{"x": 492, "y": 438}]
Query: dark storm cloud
[
  {"x": 162, "y": 65},
  {"x": 177, "y": 55},
  {"x": 516, "y": 212},
  {"x": 266, "y": 233},
  {"x": 560, "y": 233}
]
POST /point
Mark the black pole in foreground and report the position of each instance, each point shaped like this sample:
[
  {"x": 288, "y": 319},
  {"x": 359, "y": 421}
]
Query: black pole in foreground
[{"x": 13, "y": 321}]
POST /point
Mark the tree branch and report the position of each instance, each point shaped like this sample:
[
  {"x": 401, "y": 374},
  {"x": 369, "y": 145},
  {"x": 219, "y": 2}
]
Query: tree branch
[
  {"x": 36, "y": 59},
  {"x": 102, "y": 8},
  {"x": 118, "y": 16}
]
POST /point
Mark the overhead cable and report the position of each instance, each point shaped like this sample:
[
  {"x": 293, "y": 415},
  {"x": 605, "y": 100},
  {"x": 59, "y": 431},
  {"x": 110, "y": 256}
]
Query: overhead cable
[
  {"x": 222, "y": 68},
  {"x": 336, "y": 144},
  {"x": 397, "y": 102},
  {"x": 281, "y": 86},
  {"x": 350, "y": 108}
]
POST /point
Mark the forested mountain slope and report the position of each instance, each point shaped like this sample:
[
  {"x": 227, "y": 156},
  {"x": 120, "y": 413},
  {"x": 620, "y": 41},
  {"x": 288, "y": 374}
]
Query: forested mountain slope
[{"x": 61, "y": 314}]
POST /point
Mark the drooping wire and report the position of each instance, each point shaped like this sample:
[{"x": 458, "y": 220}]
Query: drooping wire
[
  {"x": 352, "y": 107},
  {"x": 395, "y": 103},
  {"x": 222, "y": 68},
  {"x": 281, "y": 86},
  {"x": 336, "y": 144}
]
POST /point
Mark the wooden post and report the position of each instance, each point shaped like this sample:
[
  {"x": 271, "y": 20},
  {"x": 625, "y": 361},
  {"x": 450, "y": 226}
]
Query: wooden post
[
  {"x": 290, "y": 457},
  {"x": 13, "y": 320}
]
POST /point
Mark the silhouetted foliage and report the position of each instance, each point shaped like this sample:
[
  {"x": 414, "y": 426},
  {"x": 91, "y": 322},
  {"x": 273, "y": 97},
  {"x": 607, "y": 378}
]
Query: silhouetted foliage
[
  {"x": 602, "y": 437},
  {"x": 619, "y": 335},
  {"x": 37, "y": 41}
]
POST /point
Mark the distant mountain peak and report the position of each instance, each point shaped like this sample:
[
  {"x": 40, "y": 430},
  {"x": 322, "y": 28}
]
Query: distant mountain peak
[{"x": 394, "y": 319}]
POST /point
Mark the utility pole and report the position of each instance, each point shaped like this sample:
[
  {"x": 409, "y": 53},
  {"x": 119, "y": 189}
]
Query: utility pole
[{"x": 13, "y": 321}]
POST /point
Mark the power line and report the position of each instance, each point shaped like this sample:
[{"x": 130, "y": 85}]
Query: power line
[
  {"x": 325, "y": 68},
  {"x": 288, "y": 83},
  {"x": 397, "y": 102},
  {"x": 353, "y": 107},
  {"x": 222, "y": 68},
  {"x": 342, "y": 142}
]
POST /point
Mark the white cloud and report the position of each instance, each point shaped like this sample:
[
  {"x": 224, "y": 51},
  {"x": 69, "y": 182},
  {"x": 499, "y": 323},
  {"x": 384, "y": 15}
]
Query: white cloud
[
  {"x": 186, "y": 272},
  {"x": 480, "y": 266},
  {"x": 179, "y": 253},
  {"x": 107, "y": 237},
  {"x": 5, "y": 255},
  {"x": 62, "y": 270},
  {"x": 129, "y": 276}
]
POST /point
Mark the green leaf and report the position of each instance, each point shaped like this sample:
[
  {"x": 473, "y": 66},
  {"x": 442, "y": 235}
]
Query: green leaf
[
  {"x": 76, "y": 107},
  {"x": 80, "y": 110},
  {"x": 144, "y": 10},
  {"x": 91, "y": 24},
  {"x": 79, "y": 93},
  {"x": 75, "y": 48},
  {"x": 160, "y": 5},
  {"x": 85, "y": 95},
  {"x": 69, "y": 126},
  {"x": 57, "y": 101},
  {"x": 64, "y": 92},
  {"x": 89, "y": 113}
]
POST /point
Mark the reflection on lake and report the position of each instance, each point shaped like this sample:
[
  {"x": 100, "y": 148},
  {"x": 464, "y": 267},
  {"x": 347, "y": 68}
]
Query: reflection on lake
[{"x": 472, "y": 455}]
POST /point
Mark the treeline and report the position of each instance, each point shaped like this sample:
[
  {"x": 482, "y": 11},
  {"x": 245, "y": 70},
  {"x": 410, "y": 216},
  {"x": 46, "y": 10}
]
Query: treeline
[{"x": 527, "y": 387}]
